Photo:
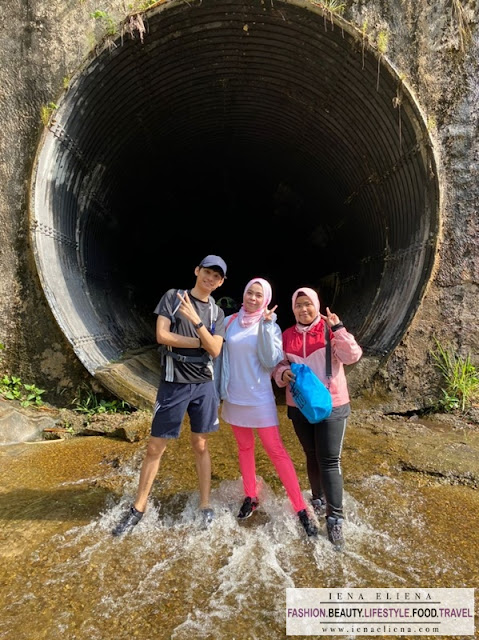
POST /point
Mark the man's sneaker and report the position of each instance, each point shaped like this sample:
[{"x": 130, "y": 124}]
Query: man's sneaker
[
  {"x": 335, "y": 532},
  {"x": 207, "y": 516},
  {"x": 319, "y": 506},
  {"x": 249, "y": 505},
  {"x": 309, "y": 527},
  {"x": 129, "y": 520}
]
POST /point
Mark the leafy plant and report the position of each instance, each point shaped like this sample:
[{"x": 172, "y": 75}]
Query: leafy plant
[
  {"x": 68, "y": 427},
  {"x": 333, "y": 6},
  {"x": 460, "y": 376},
  {"x": 33, "y": 396},
  {"x": 46, "y": 112},
  {"x": 90, "y": 403},
  {"x": 12, "y": 388},
  {"x": 107, "y": 20}
]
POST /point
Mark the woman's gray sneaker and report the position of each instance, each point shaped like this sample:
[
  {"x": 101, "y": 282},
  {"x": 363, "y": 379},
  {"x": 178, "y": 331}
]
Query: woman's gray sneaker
[
  {"x": 129, "y": 520},
  {"x": 319, "y": 506},
  {"x": 335, "y": 532},
  {"x": 207, "y": 517}
]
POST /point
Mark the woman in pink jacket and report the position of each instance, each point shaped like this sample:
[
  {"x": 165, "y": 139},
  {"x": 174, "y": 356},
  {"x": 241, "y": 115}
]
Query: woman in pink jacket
[{"x": 305, "y": 342}]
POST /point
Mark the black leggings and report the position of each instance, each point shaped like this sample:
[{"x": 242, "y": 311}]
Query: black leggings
[{"x": 322, "y": 443}]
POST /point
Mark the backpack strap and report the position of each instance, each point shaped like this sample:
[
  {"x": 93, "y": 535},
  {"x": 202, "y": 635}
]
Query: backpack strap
[
  {"x": 179, "y": 358},
  {"x": 230, "y": 320},
  {"x": 329, "y": 368},
  {"x": 173, "y": 313},
  {"x": 213, "y": 315}
]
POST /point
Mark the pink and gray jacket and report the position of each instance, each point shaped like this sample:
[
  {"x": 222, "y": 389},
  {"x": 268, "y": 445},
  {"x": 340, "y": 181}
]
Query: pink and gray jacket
[{"x": 310, "y": 348}]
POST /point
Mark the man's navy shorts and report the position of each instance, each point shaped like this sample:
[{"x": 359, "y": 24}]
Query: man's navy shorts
[{"x": 174, "y": 400}]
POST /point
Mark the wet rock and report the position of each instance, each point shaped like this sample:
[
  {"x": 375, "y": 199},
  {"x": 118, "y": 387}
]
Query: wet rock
[
  {"x": 33, "y": 424},
  {"x": 443, "y": 447},
  {"x": 132, "y": 427},
  {"x": 18, "y": 424}
]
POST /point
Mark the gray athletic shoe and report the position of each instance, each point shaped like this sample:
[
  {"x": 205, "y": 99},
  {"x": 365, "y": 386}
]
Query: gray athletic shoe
[
  {"x": 129, "y": 520},
  {"x": 319, "y": 506},
  {"x": 207, "y": 516},
  {"x": 335, "y": 532}
]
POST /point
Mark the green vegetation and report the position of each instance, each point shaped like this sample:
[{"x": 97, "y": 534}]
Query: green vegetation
[
  {"x": 460, "y": 377},
  {"x": 142, "y": 5},
  {"x": 107, "y": 21},
  {"x": 86, "y": 401},
  {"x": 46, "y": 112},
  {"x": 333, "y": 6},
  {"x": 12, "y": 388},
  {"x": 90, "y": 403}
]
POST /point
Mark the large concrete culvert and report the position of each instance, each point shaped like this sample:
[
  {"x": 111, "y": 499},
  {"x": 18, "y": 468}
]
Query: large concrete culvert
[{"x": 259, "y": 131}]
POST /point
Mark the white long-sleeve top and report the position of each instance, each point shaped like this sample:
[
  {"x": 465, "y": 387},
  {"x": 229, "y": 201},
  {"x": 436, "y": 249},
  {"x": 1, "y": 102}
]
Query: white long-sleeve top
[{"x": 248, "y": 358}]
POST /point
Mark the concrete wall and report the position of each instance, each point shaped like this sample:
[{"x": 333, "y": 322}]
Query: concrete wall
[{"x": 43, "y": 42}]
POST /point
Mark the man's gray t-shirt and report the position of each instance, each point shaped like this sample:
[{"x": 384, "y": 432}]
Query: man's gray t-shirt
[{"x": 190, "y": 372}]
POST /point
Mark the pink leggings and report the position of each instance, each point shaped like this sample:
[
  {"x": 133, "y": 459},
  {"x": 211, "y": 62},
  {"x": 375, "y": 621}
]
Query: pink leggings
[{"x": 274, "y": 447}]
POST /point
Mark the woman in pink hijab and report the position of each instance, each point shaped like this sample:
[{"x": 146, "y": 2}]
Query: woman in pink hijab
[
  {"x": 306, "y": 342},
  {"x": 252, "y": 348}
]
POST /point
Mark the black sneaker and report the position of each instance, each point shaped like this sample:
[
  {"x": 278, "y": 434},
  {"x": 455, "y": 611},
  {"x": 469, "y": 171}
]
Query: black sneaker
[
  {"x": 335, "y": 532},
  {"x": 249, "y": 505},
  {"x": 309, "y": 527},
  {"x": 319, "y": 506},
  {"x": 129, "y": 520}
]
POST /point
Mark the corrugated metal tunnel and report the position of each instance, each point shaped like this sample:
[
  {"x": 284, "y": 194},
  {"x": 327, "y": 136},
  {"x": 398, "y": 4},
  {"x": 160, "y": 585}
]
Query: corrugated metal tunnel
[{"x": 263, "y": 132}]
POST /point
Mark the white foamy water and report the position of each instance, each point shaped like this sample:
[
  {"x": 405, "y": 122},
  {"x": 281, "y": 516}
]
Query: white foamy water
[{"x": 172, "y": 579}]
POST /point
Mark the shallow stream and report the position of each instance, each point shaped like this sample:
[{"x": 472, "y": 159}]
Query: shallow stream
[{"x": 63, "y": 575}]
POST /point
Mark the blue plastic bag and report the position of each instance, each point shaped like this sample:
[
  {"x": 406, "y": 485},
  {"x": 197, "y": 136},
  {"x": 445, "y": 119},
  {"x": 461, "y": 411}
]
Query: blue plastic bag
[{"x": 312, "y": 398}]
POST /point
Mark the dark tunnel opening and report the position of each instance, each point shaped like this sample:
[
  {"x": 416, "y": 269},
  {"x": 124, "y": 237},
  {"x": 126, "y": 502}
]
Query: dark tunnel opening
[{"x": 259, "y": 133}]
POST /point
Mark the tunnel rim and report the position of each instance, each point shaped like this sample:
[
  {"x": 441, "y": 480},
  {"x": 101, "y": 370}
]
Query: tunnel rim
[{"x": 434, "y": 215}]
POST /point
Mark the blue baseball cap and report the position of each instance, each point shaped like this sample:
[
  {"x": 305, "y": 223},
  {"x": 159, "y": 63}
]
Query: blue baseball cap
[{"x": 214, "y": 261}]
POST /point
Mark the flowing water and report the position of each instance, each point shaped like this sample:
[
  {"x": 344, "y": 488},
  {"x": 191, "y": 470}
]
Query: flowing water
[{"x": 63, "y": 575}]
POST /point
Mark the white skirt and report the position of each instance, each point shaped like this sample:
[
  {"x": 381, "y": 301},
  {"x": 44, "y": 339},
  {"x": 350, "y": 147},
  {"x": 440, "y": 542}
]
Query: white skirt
[{"x": 240, "y": 415}]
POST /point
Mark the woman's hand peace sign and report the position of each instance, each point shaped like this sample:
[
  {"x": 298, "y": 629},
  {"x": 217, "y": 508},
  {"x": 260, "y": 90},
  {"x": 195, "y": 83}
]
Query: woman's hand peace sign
[
  {"x": 331, "y": 318},
  {"x": 268, "y": 313}
]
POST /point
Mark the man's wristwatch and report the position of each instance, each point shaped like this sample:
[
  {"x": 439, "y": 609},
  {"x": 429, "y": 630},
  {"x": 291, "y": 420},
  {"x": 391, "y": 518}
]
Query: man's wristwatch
[{"x": 199, "y": 325}]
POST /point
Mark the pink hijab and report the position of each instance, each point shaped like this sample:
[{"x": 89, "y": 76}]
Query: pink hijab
[
  {"x": 247, "y": 319},
  {"x": 313, "y": 296}
]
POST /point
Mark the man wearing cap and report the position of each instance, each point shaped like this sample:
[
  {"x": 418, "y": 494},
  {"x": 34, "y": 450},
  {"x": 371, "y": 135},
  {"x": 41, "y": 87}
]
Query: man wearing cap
[{"x": 190, "y": 330}]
